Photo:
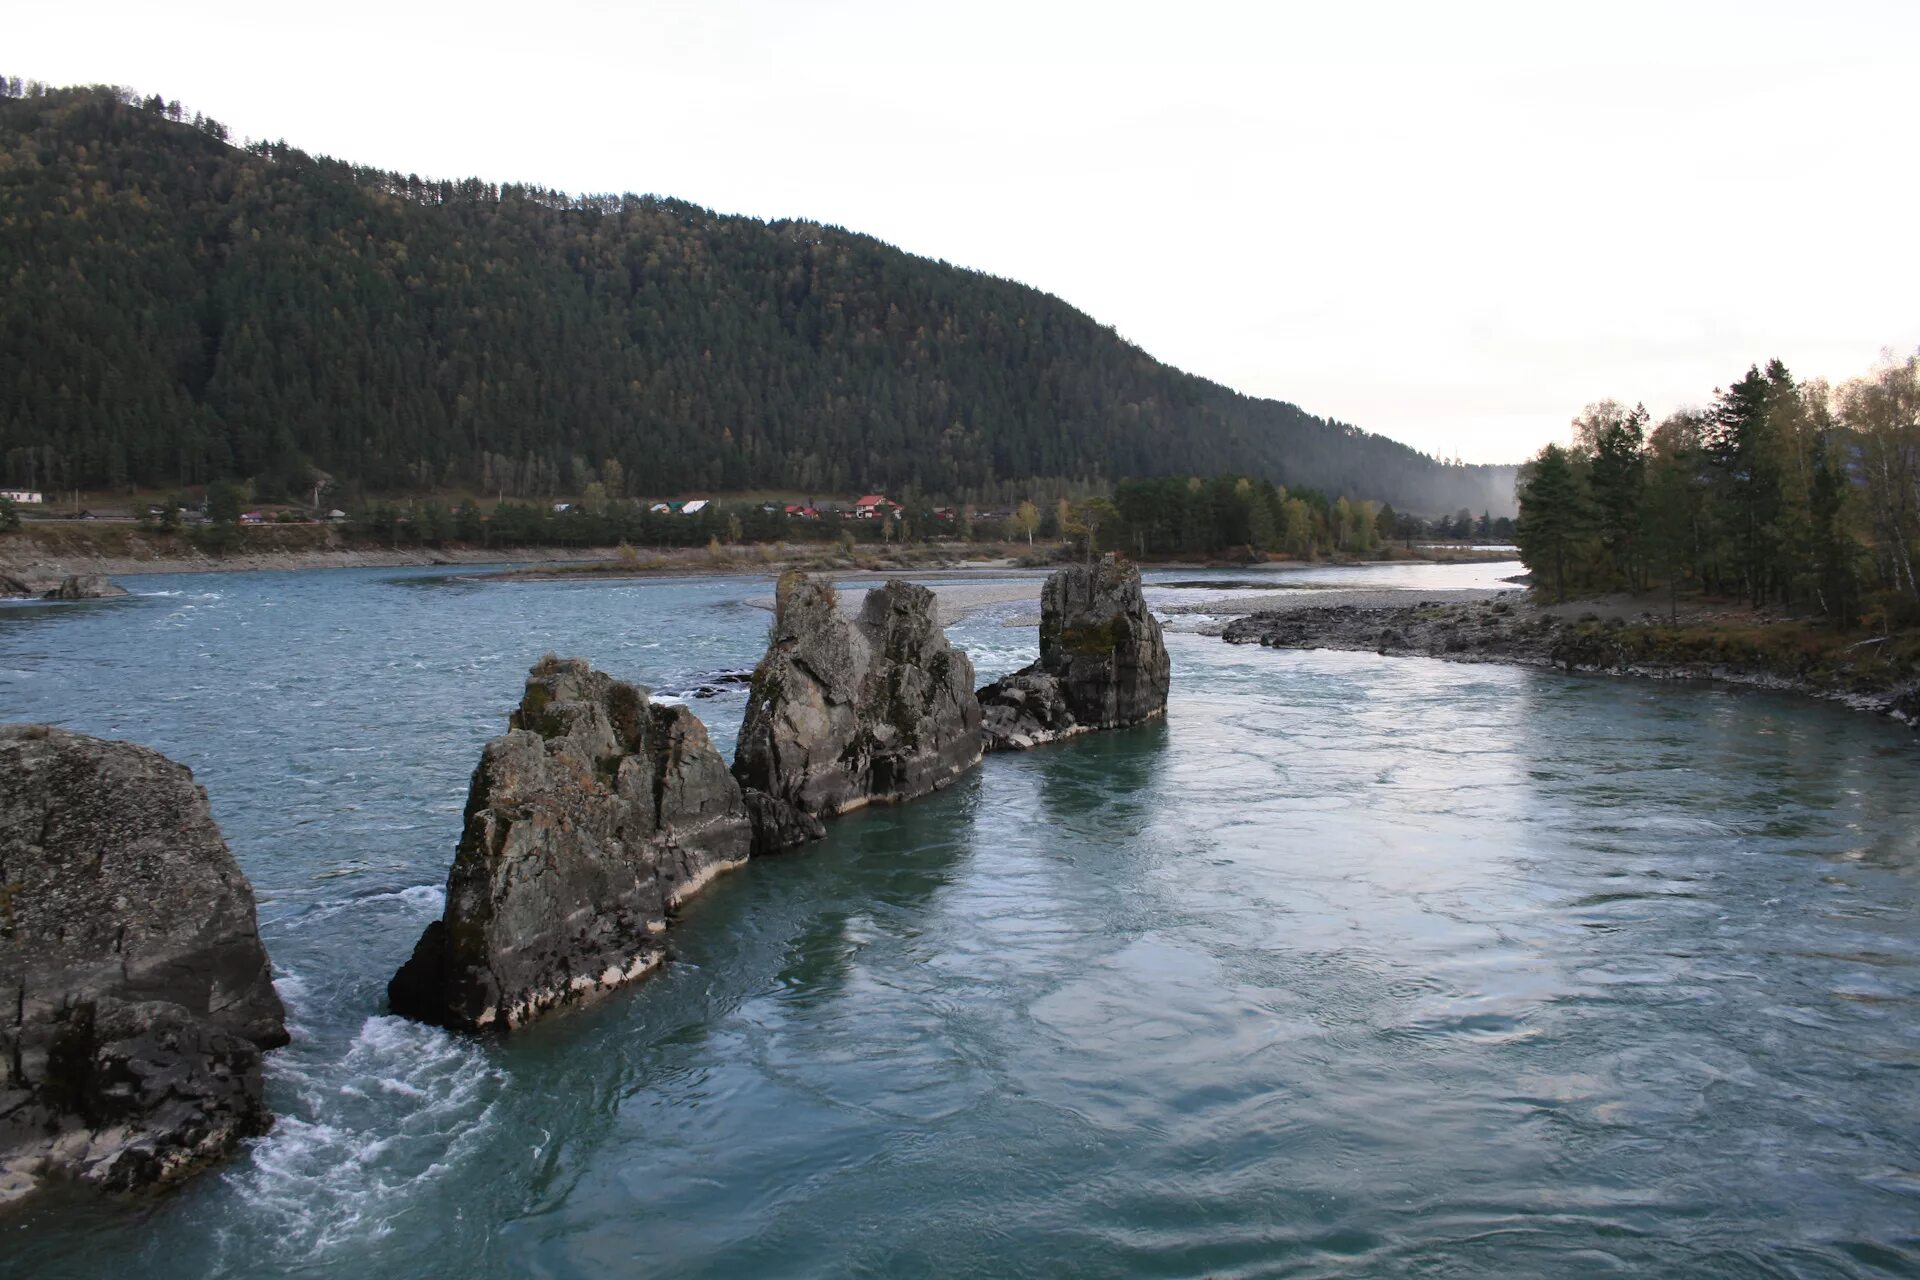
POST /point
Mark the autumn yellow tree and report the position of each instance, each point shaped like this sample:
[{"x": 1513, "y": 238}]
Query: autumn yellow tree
[{"x": 1027, "y": 519}]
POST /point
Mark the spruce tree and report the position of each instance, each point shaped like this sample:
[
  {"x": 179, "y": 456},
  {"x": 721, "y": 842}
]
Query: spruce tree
[{"x": 1553, "y": 514}]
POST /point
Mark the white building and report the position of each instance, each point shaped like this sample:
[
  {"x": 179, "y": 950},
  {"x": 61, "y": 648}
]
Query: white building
[{"x": 23, "y": 496}]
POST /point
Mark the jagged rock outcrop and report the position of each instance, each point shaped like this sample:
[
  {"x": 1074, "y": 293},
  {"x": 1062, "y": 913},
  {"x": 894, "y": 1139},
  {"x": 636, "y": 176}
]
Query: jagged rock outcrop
[
  {"x": 777, "y": 824},
  {"x": 847, "y": 711},
  {"x": 596, "y": 812},
  {"x": 12, "y": 588},
  {"x": 137, "y": 998},
  {"x": 85, "y": 586},
  {"x": 1103, "y": 662}
]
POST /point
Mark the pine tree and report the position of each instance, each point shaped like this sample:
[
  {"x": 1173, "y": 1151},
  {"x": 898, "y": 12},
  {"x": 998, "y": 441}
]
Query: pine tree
[
  {"x": 1834, "y": 551},
  {"x": 1741, "y": 450},
  {"x": 1553, "y": 514},
  {"x": 1618, "y": 482}
]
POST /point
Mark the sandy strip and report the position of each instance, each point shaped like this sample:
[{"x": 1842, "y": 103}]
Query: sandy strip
[
  {"x": 956, "y": 599},
  {"x": 1207, "y": 615}
]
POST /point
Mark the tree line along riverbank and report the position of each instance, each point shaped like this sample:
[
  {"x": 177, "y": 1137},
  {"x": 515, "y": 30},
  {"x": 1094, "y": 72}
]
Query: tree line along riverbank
[
  {"x": 1786, "y": 494},
  {"x": 1227, "y": 521}
]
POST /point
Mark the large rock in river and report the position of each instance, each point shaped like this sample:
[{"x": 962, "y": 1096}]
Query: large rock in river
[
  {"x": 137, "y": 995},
  {"x": 1103, "y": 662},
  {"x": 847, "y": 711},
  {"x": 596, "y": 812}
]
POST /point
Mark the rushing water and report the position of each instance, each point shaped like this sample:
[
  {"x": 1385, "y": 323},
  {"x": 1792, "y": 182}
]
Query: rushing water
[{"x": 1354, "y": 966}]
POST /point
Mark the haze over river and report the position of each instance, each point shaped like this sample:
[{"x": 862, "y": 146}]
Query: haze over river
[{"x": 1355, "y": 966}]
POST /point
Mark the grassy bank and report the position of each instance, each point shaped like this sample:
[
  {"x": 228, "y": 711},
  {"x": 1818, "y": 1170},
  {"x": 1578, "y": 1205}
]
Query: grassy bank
[{"x": 1793, "y": 651}]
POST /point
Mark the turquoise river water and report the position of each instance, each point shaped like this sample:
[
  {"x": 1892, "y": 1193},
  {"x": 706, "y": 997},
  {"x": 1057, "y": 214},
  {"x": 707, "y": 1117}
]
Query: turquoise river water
[{"x": 1355, "y": 966}]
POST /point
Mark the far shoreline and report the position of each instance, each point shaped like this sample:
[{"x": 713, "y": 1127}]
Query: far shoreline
[{"x": 33, "y": 561}]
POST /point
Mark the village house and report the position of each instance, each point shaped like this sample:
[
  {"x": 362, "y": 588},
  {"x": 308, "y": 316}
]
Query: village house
[{"x": 25, "y": 497}]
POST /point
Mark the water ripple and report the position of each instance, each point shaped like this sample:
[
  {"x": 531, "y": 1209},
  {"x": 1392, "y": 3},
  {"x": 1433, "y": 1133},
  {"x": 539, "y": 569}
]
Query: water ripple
[{"x": 1353, "y": 966}]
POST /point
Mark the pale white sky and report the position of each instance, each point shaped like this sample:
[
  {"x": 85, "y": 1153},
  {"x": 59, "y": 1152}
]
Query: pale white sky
[{"x": 1452, "y": 223}]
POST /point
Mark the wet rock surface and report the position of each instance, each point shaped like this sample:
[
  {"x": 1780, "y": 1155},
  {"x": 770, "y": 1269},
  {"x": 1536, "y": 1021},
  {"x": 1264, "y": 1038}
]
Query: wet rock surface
[
  {"x": 587, "y": 821},
  {"x": 777, "y": 825},
  {"x": 1103, "y": 662},
  {"x": 85, "y": 586},
  {"x": 138, "y": 996},
  {"x": 845, "y": 711},
  {"x": 724, "y": 682}
]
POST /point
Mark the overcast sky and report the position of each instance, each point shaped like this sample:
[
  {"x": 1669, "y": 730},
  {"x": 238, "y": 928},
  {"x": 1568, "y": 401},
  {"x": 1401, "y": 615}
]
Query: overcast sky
[{"x": 1452, "y": 223}]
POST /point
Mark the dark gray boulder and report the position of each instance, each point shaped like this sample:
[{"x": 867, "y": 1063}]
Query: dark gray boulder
[
  {"x": 592, "y": 816},
  {"x": 85, "y": 586},
  {"x": 138, "y": 997},
  {"x": 1103, "y": 662},
  {"x": 845, "y": 712},
  {"x": 777, "y": 825},
  {"x": 1024, "y": 710}
]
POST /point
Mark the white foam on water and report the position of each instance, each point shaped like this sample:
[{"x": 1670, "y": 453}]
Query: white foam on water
[
  {"x": 994, "y": 655},
  {"x": 420, "y": 901},
  {"x": 368, "y": 1132},
  {"x": 292, "y": 988}
]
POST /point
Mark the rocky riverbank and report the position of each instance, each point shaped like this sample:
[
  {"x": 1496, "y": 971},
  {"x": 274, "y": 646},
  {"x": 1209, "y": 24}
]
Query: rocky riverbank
[
  {"x": 37, "y": 559},
  {"x": 75, "y": 586},
  {"x": 45, "y": 552},
  {"x": 1879, "y": 674}
]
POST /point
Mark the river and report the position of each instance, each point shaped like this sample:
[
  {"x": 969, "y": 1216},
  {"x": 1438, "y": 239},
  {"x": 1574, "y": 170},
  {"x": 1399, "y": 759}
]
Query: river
[{"x": 1355, "y": 966}]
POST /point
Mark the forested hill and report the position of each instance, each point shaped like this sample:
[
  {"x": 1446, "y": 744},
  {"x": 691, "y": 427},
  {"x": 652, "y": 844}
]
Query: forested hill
[{"x": 178, "y": 309}]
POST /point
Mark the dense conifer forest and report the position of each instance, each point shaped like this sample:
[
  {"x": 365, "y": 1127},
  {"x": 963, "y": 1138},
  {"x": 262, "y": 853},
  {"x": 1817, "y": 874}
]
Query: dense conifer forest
[{"x": 180, "y": 310}]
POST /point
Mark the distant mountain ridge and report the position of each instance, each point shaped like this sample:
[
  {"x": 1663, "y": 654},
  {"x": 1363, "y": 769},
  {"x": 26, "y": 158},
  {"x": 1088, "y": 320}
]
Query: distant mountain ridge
[{"x": 180, "y": 309}]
